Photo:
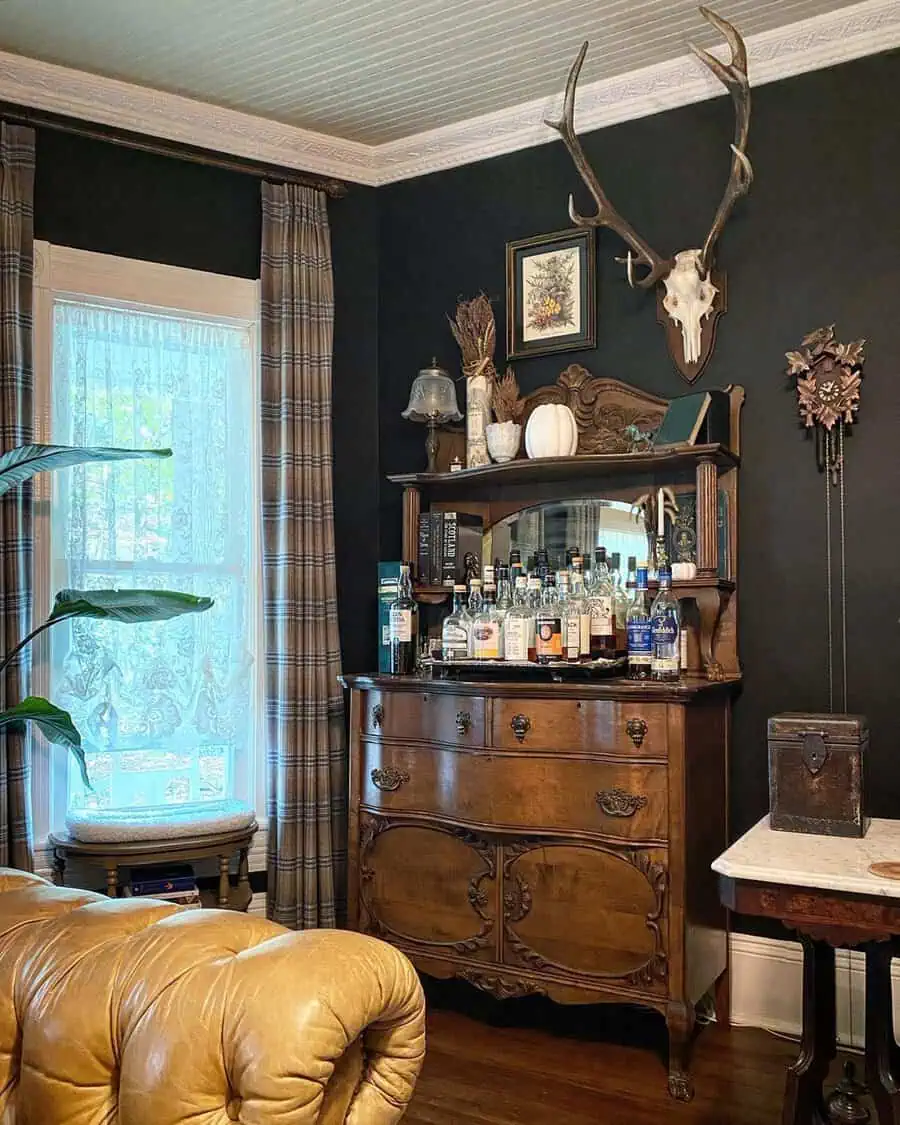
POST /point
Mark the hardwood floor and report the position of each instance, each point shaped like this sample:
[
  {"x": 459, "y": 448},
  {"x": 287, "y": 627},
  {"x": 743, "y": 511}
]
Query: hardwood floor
[{"x": 522, "y": 1064}]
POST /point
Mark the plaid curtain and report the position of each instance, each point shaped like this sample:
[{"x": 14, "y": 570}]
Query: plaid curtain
[
  {"x": 304, "y": 706},
  {"x": 16, "y": 428}
]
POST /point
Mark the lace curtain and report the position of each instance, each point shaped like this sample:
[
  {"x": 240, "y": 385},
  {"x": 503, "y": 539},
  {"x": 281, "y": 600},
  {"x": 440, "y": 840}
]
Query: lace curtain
[{"x": 165, "y": 709}]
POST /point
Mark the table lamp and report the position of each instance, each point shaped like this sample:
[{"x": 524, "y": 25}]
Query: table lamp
[{"x": 432, "y": 400}]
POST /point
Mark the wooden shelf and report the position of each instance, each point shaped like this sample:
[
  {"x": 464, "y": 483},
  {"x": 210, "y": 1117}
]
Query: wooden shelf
[
  {"x": 546, "y": 469},
  {"x": 431, "y": 594}
]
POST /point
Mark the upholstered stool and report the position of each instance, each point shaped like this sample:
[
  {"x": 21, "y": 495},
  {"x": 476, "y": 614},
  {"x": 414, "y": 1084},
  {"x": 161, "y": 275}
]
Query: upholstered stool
[{"x": 139, "y": 837}]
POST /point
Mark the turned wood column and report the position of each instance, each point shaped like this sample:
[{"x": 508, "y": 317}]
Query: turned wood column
[
  {"x": 411, "y": 508},
  {"x": 707, "y": 520}
]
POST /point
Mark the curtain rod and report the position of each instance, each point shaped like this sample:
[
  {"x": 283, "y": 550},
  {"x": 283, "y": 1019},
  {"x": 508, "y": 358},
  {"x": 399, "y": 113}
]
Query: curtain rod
[{"x": 20, "y": 115}]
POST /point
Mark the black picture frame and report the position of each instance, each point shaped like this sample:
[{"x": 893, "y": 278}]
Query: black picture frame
[{"x": 525, "y": 336}]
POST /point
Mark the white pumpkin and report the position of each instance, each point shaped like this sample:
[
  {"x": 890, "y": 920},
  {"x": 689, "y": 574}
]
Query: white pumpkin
[{"x": 551, "y": 431}]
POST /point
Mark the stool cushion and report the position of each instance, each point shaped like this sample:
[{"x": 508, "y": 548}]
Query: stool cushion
[{"x": 158, "y": 822}]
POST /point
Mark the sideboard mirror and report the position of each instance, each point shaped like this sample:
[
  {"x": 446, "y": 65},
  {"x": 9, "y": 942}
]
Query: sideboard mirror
[{"x": 558, "y": 525}]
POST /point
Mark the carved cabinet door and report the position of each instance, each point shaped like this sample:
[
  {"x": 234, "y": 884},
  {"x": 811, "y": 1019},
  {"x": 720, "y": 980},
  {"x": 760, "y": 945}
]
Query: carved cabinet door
[
  {"x": 429, "y": 887},
  {"x": 594, "y": 912}
]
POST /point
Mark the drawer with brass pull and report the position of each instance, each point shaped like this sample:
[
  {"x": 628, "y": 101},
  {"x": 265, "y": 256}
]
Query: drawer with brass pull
[
  {"x": 539, "y": 792},
  {"x": 430, "y": 716},
  {"x": 575, "y": 725}
]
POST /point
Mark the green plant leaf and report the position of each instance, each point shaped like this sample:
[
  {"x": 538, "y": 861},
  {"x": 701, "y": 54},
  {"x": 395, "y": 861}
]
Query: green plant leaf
[
  {"x": 131, "y": 607},
  {"x": 20, "y": 464},
  {"x": 55, "y": 724}
]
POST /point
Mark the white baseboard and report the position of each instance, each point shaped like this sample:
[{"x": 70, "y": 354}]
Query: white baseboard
[{"x": 766, "y": 982}]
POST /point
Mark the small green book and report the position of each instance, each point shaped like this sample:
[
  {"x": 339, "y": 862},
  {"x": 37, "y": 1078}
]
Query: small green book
[{"x": 697, "y": 418}]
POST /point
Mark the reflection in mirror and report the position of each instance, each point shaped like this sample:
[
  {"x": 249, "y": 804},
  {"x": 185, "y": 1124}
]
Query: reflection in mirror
[{"x": 583, "y": 524}]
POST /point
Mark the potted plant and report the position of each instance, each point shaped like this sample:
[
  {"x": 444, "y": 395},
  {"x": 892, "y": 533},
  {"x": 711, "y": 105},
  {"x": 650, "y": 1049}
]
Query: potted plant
[{"x": 130, "y": 607}]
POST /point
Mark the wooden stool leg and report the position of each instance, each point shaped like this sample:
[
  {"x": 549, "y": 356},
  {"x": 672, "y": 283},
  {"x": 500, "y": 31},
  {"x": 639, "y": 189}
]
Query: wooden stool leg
[
  {"x": 882, "y": 1053},
  {"x": 224, "y": 881},
  {"x": 112, "y": 880},
  {"x": 803, "y": 1101},
  {"x": 59, "y": 870},
  {"x": 246, "y": 895}
]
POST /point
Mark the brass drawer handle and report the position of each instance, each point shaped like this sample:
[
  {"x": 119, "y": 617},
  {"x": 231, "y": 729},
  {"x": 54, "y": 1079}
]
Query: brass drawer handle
[
  {"x": 618, "y": 802},
  {"x": 463, "y": 722},
  {"x": 521, "y": 725},
  {"x": 377, "y": 715},
  {"x": 636, "y": 729},
  {"x": 389, "y": 778}
]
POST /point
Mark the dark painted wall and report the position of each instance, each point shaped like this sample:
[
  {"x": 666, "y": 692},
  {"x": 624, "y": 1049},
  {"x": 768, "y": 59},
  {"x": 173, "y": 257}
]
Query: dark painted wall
[
  {"x": 96, "y": 196},
  {"x": 817, "y": 240}
]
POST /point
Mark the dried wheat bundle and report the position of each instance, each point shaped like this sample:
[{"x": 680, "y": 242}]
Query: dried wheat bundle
[
  {"x": 476, "y": 333},
  {"x": 508, "y": 405}
]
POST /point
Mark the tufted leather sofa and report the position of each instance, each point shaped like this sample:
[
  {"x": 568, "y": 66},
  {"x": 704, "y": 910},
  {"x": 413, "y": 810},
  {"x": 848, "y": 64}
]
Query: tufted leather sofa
[{"x": 135, "y": 1012}]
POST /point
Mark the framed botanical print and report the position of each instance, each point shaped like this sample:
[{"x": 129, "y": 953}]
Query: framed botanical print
[{"x": 550, "y": 292}]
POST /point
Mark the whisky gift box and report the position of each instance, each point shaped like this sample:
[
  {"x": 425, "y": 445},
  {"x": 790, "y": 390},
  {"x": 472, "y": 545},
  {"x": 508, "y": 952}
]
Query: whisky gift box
[{"x": 816, "y": 766}]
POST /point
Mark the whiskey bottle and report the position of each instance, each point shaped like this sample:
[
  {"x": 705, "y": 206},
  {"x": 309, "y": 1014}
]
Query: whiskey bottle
[
  {"x": 572, "y": 610},
  {"x": 579, "y": 591},
  {"x": 518, "y": 628},
  {"x": 603, "y": 617},
  {"x": 504, "y": 591},
  {"x": 404, "y": 626},
  {"x": 665, "y": 629},
  {"x": 620, "y": 601},
  {"x": 486, "y": 629},
  {"x": 455, "y": 630},
  {"x": 548, "y": 624},
  {"x": 639, "y": 632}
]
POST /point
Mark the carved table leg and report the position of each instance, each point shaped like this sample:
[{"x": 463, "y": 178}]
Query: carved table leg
[
  {"x": 882, "y": 1052},
  {"x": 224, "y": 881},
  {"x": 59, "y": 869},
  {"x": 803, "y": 1102},
  {"x": 244, "y": 892},
  {"x": 722, "y": 997},
  {"x": 680, "y": 1020},
  {"x": 112, "y": 880},
  {"x": 711, "y": 604}
]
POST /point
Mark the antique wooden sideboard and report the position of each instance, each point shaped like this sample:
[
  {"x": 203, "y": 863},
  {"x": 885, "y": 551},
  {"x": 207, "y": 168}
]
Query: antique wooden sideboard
[{"x": 556, "y": 838}]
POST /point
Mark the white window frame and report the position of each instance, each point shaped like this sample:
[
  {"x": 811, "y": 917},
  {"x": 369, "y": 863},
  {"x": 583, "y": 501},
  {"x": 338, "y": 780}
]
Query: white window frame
[{"x": 63, "y": 272}]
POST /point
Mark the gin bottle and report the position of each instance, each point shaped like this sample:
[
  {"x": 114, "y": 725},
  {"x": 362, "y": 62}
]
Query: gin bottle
[
  {"x": 665, "y": 628},
  {"x": 455, "y": 630},
  {"x": 548, "y": 624},
  {"x": 640, "y": 649}
]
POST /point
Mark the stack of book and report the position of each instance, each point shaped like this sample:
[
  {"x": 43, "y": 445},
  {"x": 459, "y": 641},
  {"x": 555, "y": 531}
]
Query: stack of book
[
  {"x": 445, "y": 538},
  {"x": 175, "y": 883}
]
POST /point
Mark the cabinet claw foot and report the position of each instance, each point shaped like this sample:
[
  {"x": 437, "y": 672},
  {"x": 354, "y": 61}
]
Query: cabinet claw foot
[{"x": 681, "y": 1088}]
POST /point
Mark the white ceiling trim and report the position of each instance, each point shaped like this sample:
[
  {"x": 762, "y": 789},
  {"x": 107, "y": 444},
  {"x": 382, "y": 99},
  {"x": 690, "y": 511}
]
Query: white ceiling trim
[{"x": 848, "y": 33}]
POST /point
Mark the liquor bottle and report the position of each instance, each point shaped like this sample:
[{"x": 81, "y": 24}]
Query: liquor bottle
[
  {"x": 579, "y": 591},
  {"x": 488, "y": 575},
  {"x": 548, "y": 624},
  {"x": 404, "y": 626},
  {"x": 518, "y": 628},
  {"x": 504, "y": 591},
  {"x": 640, "y": 649},
  {"x": 476, "y": 602},
  {"x": 603, "y": 618},
  {"x": 665, "y": 626},
  {"x": 572, "y": 613},
  {"x": 534, "y": 604},
  {"x": 486, "y": 629},
  {"x": 456, "y": 627},
  {"x": 515, "y": 566},
  {"x": 620, "y": 601},
  {"x": 631, "y": 581}
]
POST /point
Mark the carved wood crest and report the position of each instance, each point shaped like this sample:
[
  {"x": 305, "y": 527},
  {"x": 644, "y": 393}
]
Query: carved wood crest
[{"x": 603, "y": 408}]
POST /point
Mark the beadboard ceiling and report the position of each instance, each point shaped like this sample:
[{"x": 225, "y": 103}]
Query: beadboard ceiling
[{"x": 370, "y": 71}]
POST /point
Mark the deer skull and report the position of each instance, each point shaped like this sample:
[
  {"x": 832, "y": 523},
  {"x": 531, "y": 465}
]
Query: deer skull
[
  {"x": 689, "y": 299},
  {"x": 689, "y": 292}
]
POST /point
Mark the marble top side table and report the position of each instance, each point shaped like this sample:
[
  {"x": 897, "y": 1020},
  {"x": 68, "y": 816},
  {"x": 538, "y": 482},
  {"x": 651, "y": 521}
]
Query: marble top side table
[{"x": 822, "y": 888}]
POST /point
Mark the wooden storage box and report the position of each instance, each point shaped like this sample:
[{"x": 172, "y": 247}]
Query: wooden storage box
[{"x": 816, "y": 773}]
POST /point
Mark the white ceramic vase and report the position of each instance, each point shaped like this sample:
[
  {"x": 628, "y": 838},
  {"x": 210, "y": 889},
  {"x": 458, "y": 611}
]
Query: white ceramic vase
[{"x": 503, "y": 440}]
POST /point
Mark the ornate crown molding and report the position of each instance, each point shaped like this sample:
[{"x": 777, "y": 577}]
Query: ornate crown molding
[{"x": 848, "y": 33}]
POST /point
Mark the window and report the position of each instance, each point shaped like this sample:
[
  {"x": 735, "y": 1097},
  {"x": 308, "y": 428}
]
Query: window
[{"x": 148, "y": 356}]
